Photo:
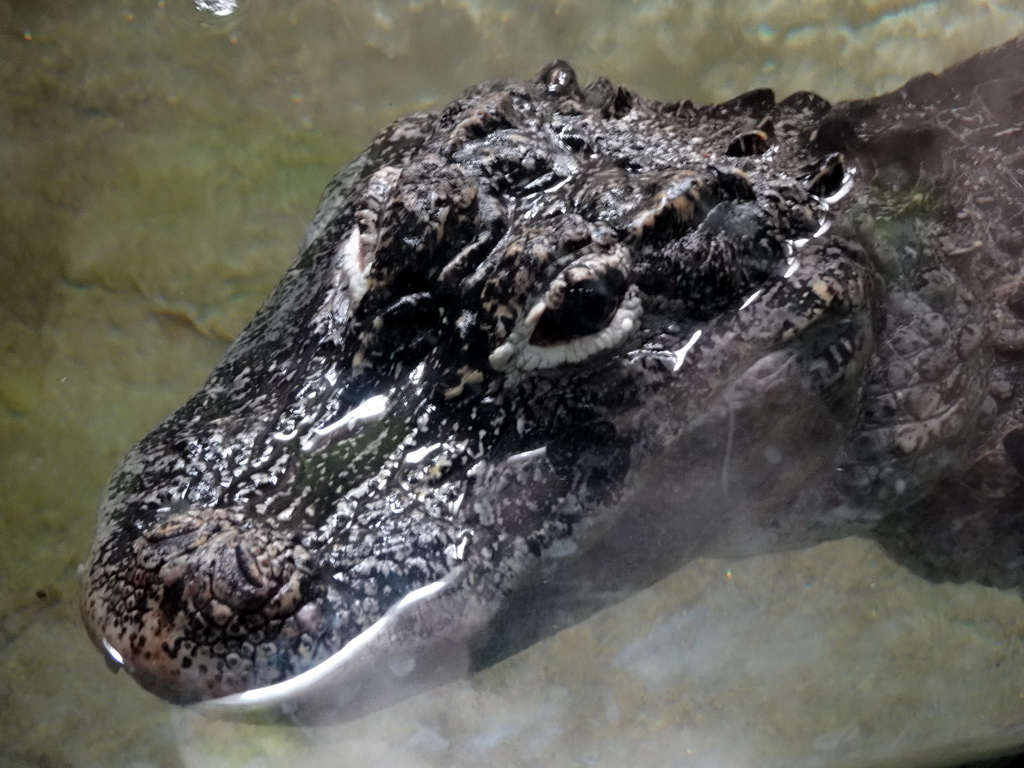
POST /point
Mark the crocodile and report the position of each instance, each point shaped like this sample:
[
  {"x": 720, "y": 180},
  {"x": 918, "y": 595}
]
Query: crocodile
[{"x": 548, "y": 343}]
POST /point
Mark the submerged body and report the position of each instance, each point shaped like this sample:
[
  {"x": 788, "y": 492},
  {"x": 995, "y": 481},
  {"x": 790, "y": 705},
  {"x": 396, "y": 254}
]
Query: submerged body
[{"x": 555, "y": 337}]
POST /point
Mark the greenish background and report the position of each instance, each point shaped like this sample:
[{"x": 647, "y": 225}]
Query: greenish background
[{"x": 158, "y": 164}]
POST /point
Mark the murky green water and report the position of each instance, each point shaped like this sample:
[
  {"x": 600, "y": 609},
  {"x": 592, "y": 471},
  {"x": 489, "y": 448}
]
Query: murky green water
[{"x": 158, "y": 164}]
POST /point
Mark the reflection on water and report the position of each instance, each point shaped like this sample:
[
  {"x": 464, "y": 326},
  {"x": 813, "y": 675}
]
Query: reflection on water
[
  {"x": 366, "y": 674},
  {"x": 158, "y": 179},
  {"x": 217, "y": 7}
]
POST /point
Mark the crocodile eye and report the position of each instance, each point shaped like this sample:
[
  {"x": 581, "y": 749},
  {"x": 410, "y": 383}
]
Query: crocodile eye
[{"x": 587, "y": 307}]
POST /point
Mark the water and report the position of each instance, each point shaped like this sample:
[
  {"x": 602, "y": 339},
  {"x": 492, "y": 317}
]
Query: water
[{"x": 161, "y": 161}]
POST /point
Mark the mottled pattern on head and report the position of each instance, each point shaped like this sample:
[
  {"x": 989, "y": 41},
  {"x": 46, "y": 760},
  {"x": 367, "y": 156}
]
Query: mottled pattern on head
[{"x": 553, "y": 327}]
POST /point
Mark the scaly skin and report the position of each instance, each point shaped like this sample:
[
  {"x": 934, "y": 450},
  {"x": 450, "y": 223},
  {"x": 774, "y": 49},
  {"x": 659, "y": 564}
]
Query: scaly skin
[{"x": 566, "y": 334}]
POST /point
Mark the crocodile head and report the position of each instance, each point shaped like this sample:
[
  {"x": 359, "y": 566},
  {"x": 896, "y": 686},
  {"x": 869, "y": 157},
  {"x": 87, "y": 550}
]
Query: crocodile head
[{"x": 545, "y": 326}]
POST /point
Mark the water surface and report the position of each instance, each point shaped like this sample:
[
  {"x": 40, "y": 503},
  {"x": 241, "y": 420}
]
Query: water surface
[{"x": 160, "y": 162}]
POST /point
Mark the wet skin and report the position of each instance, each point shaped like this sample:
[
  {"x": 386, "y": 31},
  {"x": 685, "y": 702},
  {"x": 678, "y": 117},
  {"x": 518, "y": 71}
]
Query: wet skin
[{"x": 563, "y": 337}]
